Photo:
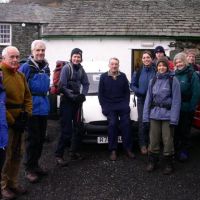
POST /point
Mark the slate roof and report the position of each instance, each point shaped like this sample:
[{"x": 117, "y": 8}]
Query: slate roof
[
  {"x": 29, "y": 13},
  {"x": 126, "y": 18}
]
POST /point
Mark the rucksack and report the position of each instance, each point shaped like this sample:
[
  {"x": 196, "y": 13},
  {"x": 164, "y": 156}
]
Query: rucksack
[
  {"x": 54, "y": 89},
  {"x": 56, "y": 76}
]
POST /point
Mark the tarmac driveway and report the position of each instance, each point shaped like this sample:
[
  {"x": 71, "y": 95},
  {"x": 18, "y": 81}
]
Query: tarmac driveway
[{"x": 97, "y": 178}]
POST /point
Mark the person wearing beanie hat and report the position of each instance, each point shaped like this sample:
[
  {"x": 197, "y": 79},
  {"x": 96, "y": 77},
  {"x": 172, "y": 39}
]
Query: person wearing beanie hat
[
  {"x": 73, "y": 85},
  {"x": 159, "y": 49},
  {"x": 160, "y": 53},
  {"x": 161, "y": 110},
  {"x": 76, "y": 51}
]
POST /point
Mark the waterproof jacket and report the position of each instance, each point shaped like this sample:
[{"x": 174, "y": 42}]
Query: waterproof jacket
[
  {"x": 163, "y": 100},
  {"x": 140, "y": 86},
  {"x": 71, "y": 79},
  {"x": 113, "y": 93},
  {"x": 190, "y": 88},
  {"x": 3, "y": 122},
  {"x": 38, "y": 78}
]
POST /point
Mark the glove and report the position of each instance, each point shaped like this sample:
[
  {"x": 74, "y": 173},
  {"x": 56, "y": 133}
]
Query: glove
[{"x": 80, "y": 98}]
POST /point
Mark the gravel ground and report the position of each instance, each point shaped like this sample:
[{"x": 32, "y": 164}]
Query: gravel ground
[{"x": 97, "y": 178}]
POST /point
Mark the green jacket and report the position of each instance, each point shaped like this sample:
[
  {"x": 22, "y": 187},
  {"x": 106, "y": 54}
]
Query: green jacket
[{"x": 190, "y": 88}]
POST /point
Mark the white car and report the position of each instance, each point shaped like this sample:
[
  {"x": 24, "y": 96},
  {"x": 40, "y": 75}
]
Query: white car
[{"x": 95, "y": 123}]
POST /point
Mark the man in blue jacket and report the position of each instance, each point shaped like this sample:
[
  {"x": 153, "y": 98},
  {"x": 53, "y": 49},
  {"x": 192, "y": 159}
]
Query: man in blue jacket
[
  {"x": 114, "y": 97},
  {"x": 37, "y": 73}
]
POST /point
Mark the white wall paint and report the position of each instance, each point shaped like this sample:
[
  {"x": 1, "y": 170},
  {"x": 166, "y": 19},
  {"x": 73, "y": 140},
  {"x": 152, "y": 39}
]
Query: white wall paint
[{"x": 100, "y": 49}]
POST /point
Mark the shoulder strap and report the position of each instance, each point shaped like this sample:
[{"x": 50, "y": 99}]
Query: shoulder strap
[
  {"x": 153, "y": 82},
  {"x": 70, "y": 70}
]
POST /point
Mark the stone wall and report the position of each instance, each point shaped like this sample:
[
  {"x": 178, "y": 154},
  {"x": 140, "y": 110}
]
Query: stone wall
[
  {"x": 184, "y": 45},
  {"x": 22, "y": 37}
]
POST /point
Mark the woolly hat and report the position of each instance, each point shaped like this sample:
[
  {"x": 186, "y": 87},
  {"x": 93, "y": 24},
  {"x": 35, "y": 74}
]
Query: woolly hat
[
  {"x": 76, "y": 51},
  {"x": 165, "y": 61},
  {"x": 159, "y": 49}
]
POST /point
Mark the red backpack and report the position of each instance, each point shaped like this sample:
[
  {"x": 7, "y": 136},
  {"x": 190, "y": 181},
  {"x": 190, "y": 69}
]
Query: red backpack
[{"x": 56, "y": 76}]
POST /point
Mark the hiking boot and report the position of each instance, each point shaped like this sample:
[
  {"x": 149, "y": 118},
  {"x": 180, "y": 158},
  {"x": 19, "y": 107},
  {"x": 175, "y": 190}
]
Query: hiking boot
[
  {"x": 40, "y": 171},
  {"x": 130, "y": 154},
  {"x": 32, "y": 177},
  {"x": 152, "y": 163},
  {"x": 113, "y": 156},
  {"x": 61, "y": 162},
  {"x": 143, "y": 150},
  {"x": 19, "y": 190},
  {"x": 168, "y": 169},
  {"x": 76, "y": 156},
  {"x": 183, "y": 156},
  {"x": 8, "y": 194}
]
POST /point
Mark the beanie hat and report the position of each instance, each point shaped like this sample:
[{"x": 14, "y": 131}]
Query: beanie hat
[
  {"x": 165, "y": 61},
  {"x": 76, "y": 51},
  {"x": 159, "y": 49}
]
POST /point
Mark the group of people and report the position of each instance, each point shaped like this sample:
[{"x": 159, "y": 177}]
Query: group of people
[
  {"x": 25, "y": 106},
  {"x": 167, "y": 95}
]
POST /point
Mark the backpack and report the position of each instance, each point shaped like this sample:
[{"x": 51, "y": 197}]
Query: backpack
[
  {"x": 189, "y": 75},
  {"x": 54, "y": 89},
  {"x": 56, "y": 76}
]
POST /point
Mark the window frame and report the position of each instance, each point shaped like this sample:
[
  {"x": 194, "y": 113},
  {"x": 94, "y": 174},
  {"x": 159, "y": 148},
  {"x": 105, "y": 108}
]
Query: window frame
[{"x": 10, "y": 34}]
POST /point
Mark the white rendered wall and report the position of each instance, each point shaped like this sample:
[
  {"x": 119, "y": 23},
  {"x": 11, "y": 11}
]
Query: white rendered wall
[{"x": 98, "y": 49}]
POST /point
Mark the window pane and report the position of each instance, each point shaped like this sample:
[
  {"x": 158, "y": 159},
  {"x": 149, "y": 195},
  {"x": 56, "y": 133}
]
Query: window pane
[{"x": 5, "y": 31}]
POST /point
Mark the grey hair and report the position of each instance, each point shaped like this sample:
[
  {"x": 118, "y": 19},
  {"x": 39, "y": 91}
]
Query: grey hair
[
  {"x": 182, "y": 57},
  {"x": 6, "y": 49},
  {"x": 35, "y": 42},
  {"x": 114, "y": 58}
]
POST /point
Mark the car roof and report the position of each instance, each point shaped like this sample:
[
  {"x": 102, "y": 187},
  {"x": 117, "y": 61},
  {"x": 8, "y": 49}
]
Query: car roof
[{"x": 95, "y": 66}]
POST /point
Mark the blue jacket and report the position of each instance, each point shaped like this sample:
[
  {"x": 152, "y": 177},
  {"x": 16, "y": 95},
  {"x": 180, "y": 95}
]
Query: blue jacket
[
  {"x": 38, "y": 78},
  {"x": 141, "y": 87},
  {"x": 113, "y": 94},
  {"x": 161, "y": 93},
  {"x": 3, "y": 122}
]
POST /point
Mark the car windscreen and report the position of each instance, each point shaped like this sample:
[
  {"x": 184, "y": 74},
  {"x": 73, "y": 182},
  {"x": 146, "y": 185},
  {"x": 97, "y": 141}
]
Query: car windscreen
[{"x": 94, "y": 82}]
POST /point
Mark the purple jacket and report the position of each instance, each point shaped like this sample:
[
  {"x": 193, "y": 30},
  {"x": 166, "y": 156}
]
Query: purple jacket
[{"x": 163, "y": 101}]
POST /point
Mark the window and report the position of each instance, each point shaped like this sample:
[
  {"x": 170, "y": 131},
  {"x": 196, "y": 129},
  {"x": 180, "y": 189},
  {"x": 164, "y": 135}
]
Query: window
[{"x": 5, "y": 34}]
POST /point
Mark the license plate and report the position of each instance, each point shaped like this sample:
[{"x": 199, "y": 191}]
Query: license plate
[{"x": 104, "y": 140}]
